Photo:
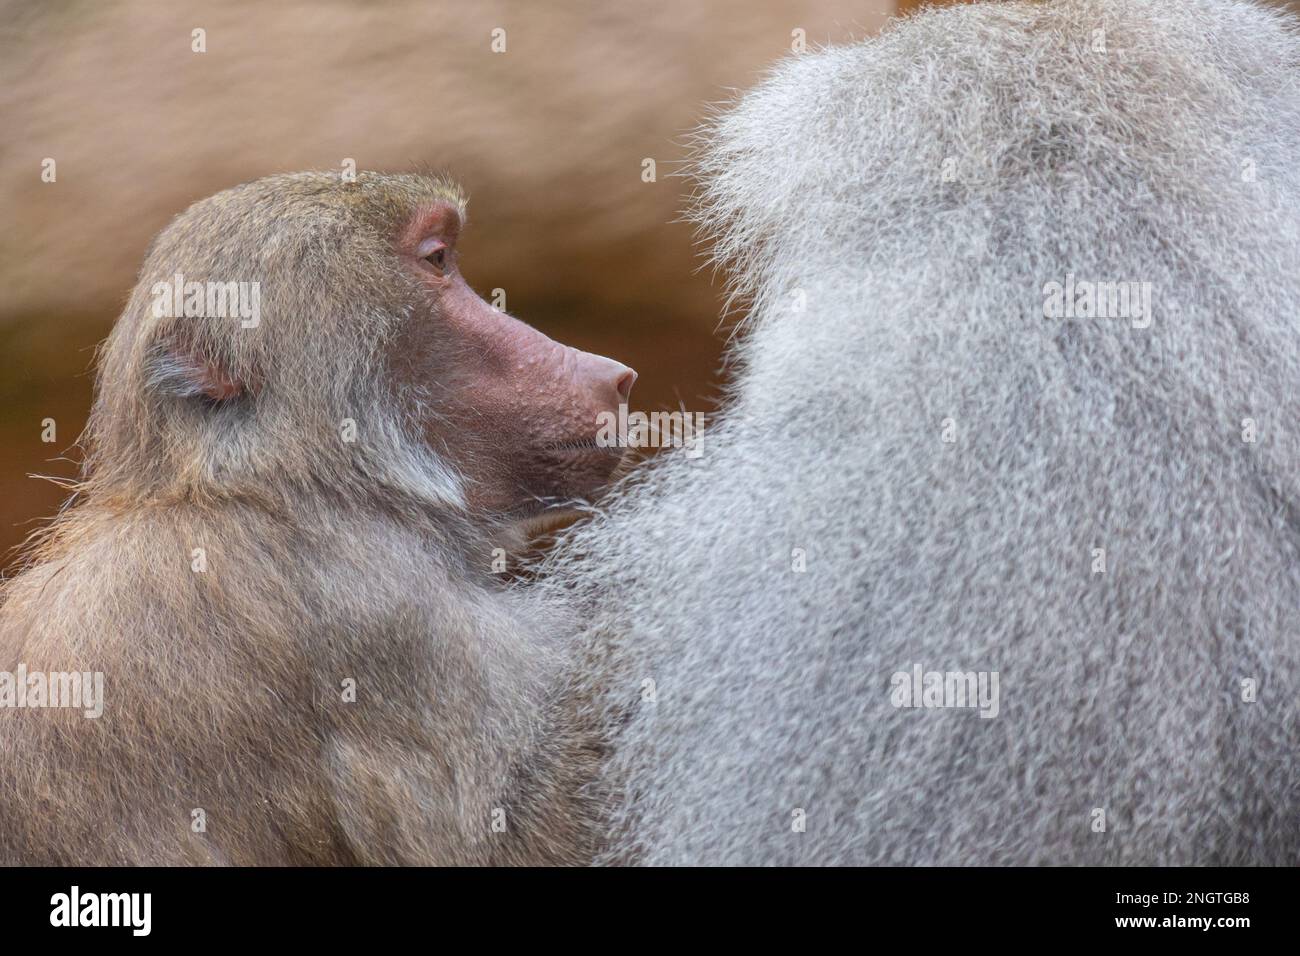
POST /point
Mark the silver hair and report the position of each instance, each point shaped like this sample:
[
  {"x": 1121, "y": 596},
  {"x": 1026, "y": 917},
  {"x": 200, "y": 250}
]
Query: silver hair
[{"x": 1102, "y": 510}]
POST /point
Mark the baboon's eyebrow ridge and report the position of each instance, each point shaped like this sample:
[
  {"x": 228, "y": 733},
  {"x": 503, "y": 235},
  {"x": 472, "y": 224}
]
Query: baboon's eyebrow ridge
[{"x": 446, "y": 189}]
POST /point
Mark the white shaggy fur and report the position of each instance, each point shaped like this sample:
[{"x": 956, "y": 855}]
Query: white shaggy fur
[{"x": 917, "y": 191}]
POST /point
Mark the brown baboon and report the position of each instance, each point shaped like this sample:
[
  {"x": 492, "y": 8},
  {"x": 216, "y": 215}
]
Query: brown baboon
[{"x": 310, "y": 435}]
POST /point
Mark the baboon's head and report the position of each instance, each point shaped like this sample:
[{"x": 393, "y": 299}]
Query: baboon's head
[{"x": 304, "y": 328}]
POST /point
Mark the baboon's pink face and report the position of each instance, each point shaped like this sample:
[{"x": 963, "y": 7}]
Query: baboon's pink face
[{"x": 515, "y": 411}]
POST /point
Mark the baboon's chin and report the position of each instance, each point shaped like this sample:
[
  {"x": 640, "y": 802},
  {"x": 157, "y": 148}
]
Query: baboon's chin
[
  {"x": 544, "y": 512},
  {"x": 549, "y": 521},
  {"x": 570, "y": 478},
  {"x": 561, "y": 504}
]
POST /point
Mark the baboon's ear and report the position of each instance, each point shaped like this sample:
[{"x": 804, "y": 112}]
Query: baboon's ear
[{"x": 186, "y": 373}]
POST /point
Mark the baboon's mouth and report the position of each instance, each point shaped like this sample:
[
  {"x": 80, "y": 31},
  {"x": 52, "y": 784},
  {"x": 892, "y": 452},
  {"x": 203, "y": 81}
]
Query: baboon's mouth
[{"x": 585, "y": 444}]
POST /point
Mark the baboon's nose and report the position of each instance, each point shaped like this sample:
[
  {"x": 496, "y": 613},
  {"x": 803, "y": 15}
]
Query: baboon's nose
[
  {"x": 610, "y": 381},
  {"x": 624, "y": 385}
]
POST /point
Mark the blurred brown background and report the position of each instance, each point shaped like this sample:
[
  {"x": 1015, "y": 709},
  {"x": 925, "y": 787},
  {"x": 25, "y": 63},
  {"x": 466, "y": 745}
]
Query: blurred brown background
[{"x": 548, "y": 137}]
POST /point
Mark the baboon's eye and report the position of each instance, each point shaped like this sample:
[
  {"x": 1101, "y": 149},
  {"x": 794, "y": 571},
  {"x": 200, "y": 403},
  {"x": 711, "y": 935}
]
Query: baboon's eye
[{"x": 438, "y": 259}]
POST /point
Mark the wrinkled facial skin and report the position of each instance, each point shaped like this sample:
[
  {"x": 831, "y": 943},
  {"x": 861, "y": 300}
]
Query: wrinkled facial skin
[{"x": 514, "y": 411}]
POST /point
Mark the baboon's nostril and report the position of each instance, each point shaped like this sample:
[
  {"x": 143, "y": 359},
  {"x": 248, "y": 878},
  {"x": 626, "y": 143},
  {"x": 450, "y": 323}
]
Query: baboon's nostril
[{"x": 625, "y": 382}]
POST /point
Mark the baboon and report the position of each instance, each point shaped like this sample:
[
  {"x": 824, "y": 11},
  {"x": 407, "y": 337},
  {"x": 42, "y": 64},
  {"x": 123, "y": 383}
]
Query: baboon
[
  {"x": 1017, "y": 397},
  {"x": 280, "y": 556}
]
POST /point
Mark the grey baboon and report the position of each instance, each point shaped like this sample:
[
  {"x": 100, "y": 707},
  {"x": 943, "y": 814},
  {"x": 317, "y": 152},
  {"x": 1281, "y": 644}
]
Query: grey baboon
[
  {"x": 280, "y": 557},
  {"x": 1018, "y": 400}
]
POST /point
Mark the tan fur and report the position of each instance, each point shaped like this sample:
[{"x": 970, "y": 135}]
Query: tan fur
[{"x": 326, "y": 561}]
